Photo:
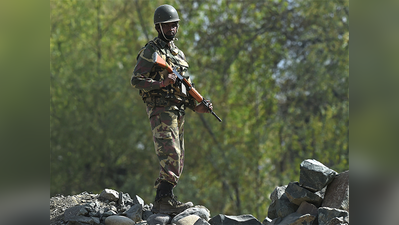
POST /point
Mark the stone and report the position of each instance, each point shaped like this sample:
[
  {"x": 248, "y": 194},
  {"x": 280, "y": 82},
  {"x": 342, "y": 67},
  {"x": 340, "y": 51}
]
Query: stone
[
  {"x": 127, "y": 199},
  {"x": 110, "y": 195},
  {"x": 147, "y": 211},
  {"x": 188, "y": 220},
  {"x": 234, "y": 220},
  {"x": 198, "y": 210},
  {"x": 267, "y": 221},
  {"x": 68, "y": 201},
  {"x": 314, "y": 175},
  {"x": 326, "y": 214},
  {"x": 118, "y": 220},
  {"x": 307, "y": 208},
  {"x": 79, "y": 215},
  {"x": 272, "y": 210},
  {"x": 337, "y": 193},
  {"x": 297, "y": 194},
  {"x": 120, "y": 200},
  {"x": 83, "y": 220},
  {"x": 96, "y": 220},
  {"x": 277, "y": 193},
  {"x": 72, "y": 212},
  {"x": 144, "y": 222},
  {"x": 298, "y": 219},
  {"x": 322, "y": 192},
  {"x": 282, "y": 207},
  {"x": 159, "y": 219},
  {"x": 201, "y": 221},
  {"x": 138, "y": 200},
  {"x": 276, "y": 221},
  {"x": 337, "y": 221},
  {"x": 109, "y": 213},
  {"x": 135, "y": 213}
]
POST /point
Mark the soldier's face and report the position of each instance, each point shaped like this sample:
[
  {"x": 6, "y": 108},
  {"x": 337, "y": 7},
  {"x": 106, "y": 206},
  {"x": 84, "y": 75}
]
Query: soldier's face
[{"x": 169, "y": 29}]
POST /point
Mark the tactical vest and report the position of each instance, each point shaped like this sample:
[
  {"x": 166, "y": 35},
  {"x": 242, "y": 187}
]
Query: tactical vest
[{"x": 174, "y": 93}]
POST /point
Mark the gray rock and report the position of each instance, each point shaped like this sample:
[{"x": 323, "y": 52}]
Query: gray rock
[
  {"x": 109, "y": 213},
  {"x": 147, "y": 211},
  {"x": 322, "y": 192},
  {"x": 337, "y": 221},
  {"x": 297, "y": 194},
  {"x": 267, "y": 221},
  {"x": 77, "y": 211},
  {"x": 234, "y": 220},
  {"x": 124, "y": 209},
  {"x": 307, "y": 208},
  {"x": 297, "y": 219},
  {"x": 113, "y": 208},
  {"x": 201, "y": 221},
  {"x": 68, "y": 201},
  {"x": 91, "y": 206},
  {"x": 144, "y": 222},
  {"x": 314, "y": 175},
  {"x": 198, "y": 210},
  {"x": 84, "y": 220},
  {"x": 337, "y": 193},
  {"x": 135, "y": 213},
  {"x": 159, "y": 219},
  {"x": 275, "y": 221},
  {"x": 272, "y": 210},
  {"x": 327, "y": 214},
  {"x": 110, "y": 195},
  {"x": 118, "y": 220},
  {"x": 138, "y": 200},
  {"x": 277, "y": 193},
  {"x": 79, "y": 215},
  {"x": 120, "y": 200},
  {"x": 83, "y": 211},
  {"x": 96, "y": 220},
  {"x": 188, "y": 220},
  {"x": 282, "y": 207},
  {"x": 126, "y": 199}
]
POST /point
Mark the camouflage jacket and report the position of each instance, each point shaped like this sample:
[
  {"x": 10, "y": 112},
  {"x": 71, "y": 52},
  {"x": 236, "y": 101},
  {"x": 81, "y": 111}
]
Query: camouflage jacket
[{"x": 147, "y": 77}]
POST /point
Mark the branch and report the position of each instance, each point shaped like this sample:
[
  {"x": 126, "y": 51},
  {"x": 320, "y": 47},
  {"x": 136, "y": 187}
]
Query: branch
[
  {"x": 142, "y": 21},
  {"x": 208, "y": 128},
  {"x": 118, "y": 15}
]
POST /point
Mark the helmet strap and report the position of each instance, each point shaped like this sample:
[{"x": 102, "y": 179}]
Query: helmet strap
[
  {"x": 164, "y": 36},
  {"x": 163, "y": 33}
]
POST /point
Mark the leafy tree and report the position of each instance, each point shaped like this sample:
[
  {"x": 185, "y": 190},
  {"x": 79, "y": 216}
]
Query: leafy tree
[{"x": 276, "y": 71}]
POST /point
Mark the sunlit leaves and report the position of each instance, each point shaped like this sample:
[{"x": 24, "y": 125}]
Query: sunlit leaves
[{"x": 276, "y": 71}]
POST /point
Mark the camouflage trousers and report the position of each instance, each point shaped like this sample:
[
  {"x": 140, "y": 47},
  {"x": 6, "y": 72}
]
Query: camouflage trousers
[{"x": 168, "y": 135}]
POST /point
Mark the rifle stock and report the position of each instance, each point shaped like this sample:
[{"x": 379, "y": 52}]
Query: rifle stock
[
  {"x": 191, "y": 90},
  {"x": 158, "y": 60}
]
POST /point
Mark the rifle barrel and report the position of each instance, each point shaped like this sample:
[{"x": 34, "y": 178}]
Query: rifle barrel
[{"x": 213, "y": 113}]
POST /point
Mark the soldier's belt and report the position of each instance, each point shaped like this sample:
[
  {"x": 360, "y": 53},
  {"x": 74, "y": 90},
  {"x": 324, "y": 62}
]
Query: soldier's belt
[{"x": 154, "y": 101}]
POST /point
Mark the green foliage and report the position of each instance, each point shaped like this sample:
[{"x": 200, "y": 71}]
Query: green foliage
[{"x": 277, "y": 73}]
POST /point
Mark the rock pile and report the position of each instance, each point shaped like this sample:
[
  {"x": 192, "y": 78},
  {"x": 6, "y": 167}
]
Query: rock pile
[{"x": 321, "y": 197}]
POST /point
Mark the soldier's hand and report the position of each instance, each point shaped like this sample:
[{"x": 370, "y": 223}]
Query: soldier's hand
[
  {"x": 201, "y": 108},
  {"x": 170, "y": 79}
]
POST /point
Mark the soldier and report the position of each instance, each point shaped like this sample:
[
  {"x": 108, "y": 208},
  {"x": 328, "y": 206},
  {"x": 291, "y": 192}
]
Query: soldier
[{"x": 166, "y": 101}]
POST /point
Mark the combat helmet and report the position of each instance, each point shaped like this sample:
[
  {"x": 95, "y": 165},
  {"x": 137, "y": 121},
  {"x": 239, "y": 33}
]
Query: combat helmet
[{"x": 165, "y": 14}]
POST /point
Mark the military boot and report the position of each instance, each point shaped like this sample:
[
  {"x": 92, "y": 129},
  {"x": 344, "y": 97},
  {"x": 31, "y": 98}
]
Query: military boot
[{"x": 165, "y": 202}]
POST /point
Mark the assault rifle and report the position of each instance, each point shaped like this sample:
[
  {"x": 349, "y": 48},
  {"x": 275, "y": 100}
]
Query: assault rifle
[{"x": 191, "y": 90}]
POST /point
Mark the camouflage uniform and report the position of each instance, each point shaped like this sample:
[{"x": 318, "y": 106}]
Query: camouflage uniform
[{"x": 165, "y": 105}]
